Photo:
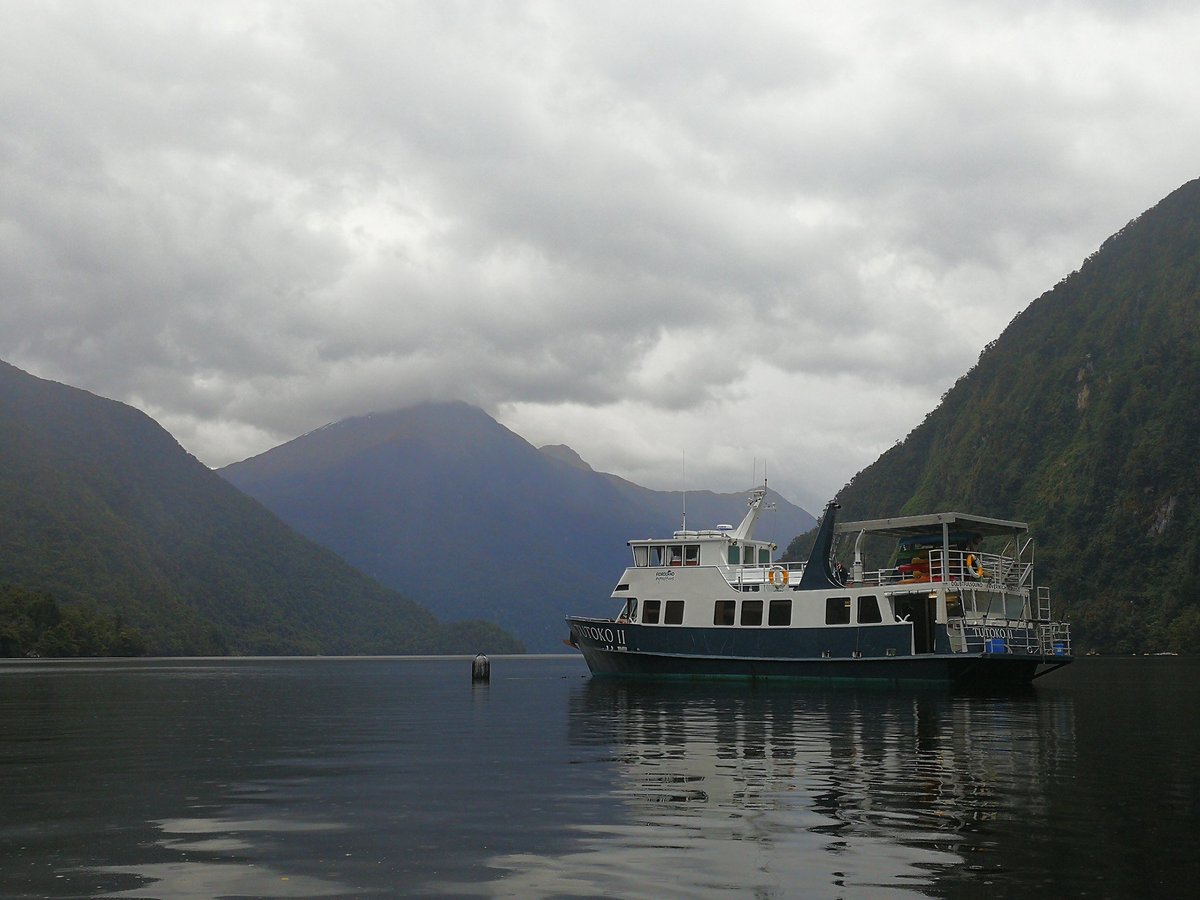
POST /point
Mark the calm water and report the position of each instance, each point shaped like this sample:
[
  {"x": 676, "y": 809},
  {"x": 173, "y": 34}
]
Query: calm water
[{"x": 385, "y": 777}]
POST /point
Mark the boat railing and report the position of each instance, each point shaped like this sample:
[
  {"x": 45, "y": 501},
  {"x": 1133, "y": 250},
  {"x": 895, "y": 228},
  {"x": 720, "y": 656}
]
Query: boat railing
[
  {"x": 1015, "y": 636},
  {"x": 774, "y": 573},
  {"x": 884, "y": 576},
  {"x": 1017, "y": 639},
  {"x": 974, "y": 566},
  {"x": 1055, "y": 638},
  {"x": 1001, "y": 634},
  {"x": 979, "y": 569},
  {"x": 1026, "y": 576}
]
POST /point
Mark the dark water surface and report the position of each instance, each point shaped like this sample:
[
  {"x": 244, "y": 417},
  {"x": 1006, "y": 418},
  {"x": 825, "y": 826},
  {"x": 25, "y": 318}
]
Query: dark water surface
[{"x": 390, "y": 777}]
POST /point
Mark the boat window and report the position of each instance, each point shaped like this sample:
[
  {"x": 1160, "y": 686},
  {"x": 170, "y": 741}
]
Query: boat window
[
  {"x": 656, "y": 556},
  {"x": 780, "y": 612},
  {"x": 751, "y": 612},
  {"x": 953, "y": 607},
  {"x": 837, "y": 610},
  {"x": 723, "y": 612},
  {"x": 674, "y": 613},
  {"x": 868, "y": 611},
  {"x": 650, "y": 612},
  {"x": 674, "y": 555},
  {"x": 691, "y": 555},
  {"x": 764, "y": 556},
  {"x": 641, "y": 555},
  {"x": 735, "y": 555}
]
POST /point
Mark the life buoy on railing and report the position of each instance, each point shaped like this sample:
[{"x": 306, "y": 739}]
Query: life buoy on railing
[
  {"x": 778, "y": 576},
  {"x": 974, "y": 565}
]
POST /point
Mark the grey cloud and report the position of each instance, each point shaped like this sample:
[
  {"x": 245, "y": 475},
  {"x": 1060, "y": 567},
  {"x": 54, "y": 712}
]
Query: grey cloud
[{"x": 253, "y": 220}]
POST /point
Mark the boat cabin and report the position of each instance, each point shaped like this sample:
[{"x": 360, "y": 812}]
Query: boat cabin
[
  {"x": 724, "y": 547},
  {"x": 701, "y": 548}
]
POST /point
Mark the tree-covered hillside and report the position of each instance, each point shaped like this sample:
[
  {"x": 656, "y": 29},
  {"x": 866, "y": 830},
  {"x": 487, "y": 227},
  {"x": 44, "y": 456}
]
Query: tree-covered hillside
[
  {"x": 1083, "y": 419},
  {"x": 100, "y": 507},
  {"x": 33, "y": 624}
]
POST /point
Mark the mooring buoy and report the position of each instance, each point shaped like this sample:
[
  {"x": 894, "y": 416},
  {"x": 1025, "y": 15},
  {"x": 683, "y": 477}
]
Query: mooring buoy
[{"x": 481, "y": 669}]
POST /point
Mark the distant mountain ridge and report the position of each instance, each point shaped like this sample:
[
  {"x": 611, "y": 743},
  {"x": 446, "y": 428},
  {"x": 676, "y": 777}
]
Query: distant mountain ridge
[
  {"x": 1083, "y": 418},
  {"x": 444, "y": 503},
  {"x": 100, "y": 505}
]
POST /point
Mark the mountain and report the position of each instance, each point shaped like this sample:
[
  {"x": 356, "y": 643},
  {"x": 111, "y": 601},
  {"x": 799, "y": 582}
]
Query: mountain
[
  {"x": 1083, "y": 418},
  {"x": 442, "y": 502},
  {"x": 100, "y": 507}
]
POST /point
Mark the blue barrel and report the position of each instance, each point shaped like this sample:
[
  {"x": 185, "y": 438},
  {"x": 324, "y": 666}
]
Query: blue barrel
[{"x": 995, "y": 645}]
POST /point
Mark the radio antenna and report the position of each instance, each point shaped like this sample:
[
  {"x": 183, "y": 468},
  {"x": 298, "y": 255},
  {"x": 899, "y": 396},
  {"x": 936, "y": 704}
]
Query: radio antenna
[{"x": 684, "y": 491}]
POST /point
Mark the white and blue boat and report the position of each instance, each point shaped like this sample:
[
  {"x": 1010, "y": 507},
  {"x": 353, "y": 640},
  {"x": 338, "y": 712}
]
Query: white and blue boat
[{"x": 958, "y": 604}]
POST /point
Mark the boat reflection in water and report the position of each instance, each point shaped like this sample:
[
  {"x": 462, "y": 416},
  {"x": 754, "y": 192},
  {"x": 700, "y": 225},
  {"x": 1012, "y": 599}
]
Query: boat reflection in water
[{"x": 819, "y": 792}]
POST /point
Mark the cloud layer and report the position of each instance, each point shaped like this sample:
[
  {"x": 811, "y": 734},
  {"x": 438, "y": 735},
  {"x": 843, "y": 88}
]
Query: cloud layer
[{"x": 766, "y": 233}]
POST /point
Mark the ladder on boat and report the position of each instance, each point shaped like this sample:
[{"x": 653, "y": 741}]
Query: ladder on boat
[{"x": 1043, "y": 603}]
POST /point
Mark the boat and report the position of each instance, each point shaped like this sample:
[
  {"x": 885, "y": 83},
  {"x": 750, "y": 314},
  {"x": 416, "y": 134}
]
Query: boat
[{"x": 957, "y": 604}]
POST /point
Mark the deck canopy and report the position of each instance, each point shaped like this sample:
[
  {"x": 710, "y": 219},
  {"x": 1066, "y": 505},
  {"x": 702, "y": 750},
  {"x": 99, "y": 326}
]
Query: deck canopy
[{"x": 906, "y": 526}]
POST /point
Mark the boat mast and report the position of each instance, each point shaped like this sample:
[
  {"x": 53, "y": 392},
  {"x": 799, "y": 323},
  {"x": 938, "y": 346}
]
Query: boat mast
[{"x": 746, "y": 528}]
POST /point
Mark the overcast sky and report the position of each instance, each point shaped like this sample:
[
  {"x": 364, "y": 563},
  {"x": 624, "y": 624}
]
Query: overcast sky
[{"x": 740, "y": 232}]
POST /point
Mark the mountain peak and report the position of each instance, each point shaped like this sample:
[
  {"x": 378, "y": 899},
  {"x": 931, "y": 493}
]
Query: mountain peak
[
  {"x": 445, "y": 503},
  {"x": 445, "y": 423}
]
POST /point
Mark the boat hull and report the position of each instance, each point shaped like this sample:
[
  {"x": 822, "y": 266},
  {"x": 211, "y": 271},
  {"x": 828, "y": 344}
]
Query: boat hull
[{"x": 617, "y": 649}]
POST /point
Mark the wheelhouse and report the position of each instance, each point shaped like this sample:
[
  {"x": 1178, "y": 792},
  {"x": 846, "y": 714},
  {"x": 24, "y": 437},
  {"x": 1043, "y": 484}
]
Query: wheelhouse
[{"x": 701, "y": 548}]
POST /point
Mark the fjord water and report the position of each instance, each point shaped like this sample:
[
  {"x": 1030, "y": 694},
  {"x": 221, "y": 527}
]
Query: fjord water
[{"x": 387, "y": 777}]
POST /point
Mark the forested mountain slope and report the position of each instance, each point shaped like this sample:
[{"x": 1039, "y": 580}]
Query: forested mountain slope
[
  {"x": 100, "y": 506},
  {"x": 1083, "y": 418}
]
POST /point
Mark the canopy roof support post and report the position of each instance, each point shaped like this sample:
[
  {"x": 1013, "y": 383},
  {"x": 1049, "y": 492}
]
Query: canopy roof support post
[
  {"x": 945, "y": 552},
  {"x": 858, "y": 561}
]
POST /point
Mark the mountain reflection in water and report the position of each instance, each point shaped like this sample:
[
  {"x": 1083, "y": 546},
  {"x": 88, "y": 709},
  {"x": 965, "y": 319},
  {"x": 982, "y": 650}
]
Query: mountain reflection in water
[{"x": 389, "y": 777}]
